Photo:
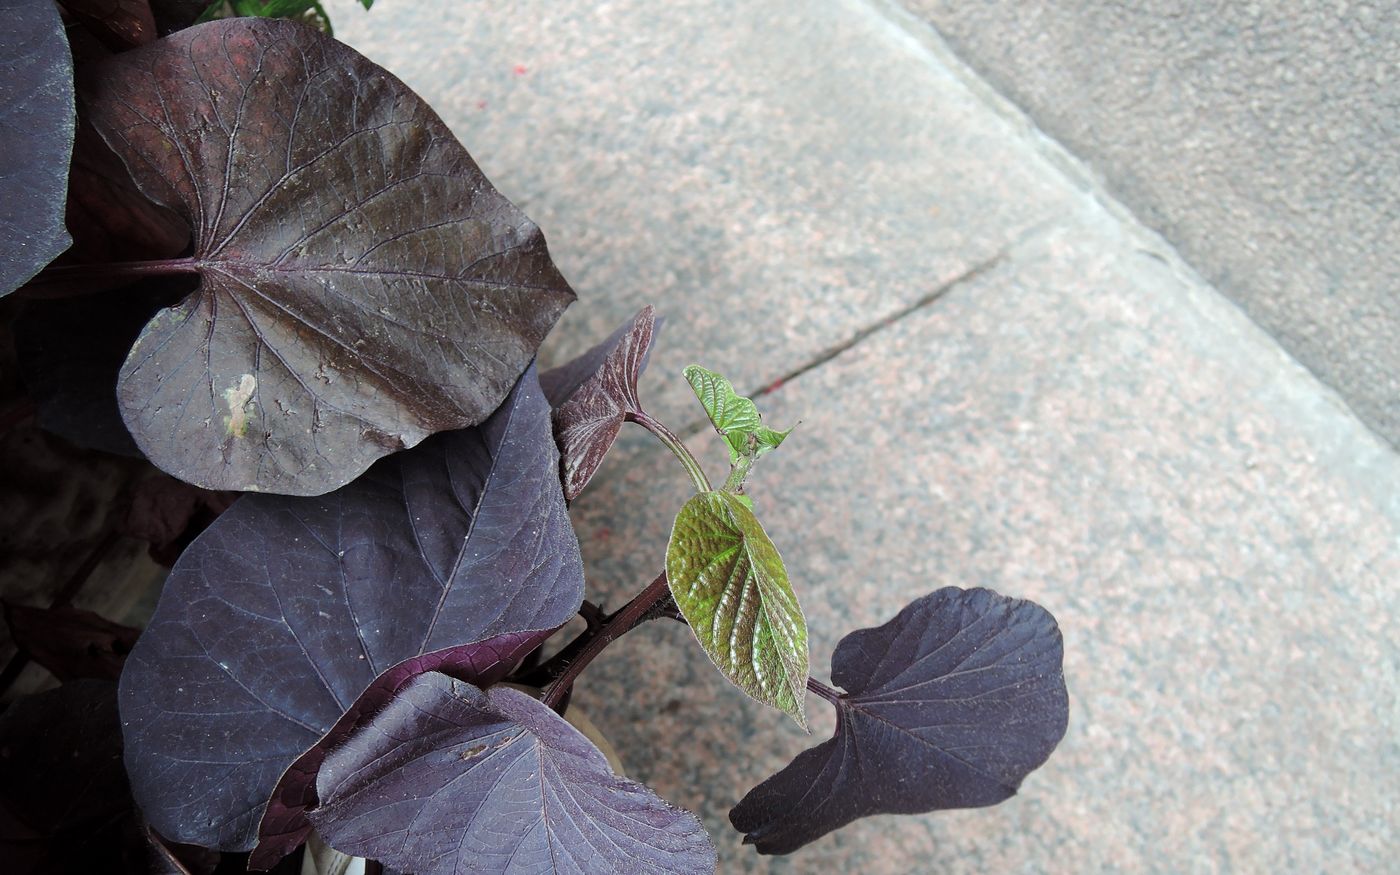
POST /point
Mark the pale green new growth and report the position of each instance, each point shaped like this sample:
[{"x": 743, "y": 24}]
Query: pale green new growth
[
  {"x": 730, "y": 584},
  {"x": 735, "y": 417}
]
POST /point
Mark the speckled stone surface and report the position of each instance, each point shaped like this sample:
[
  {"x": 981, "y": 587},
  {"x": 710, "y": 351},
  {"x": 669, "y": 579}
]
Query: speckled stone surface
[
  {"x": 1082, "y": 427},
  {"x": 1258, "y": 137},
  {"x": 1082, "y": 422}
]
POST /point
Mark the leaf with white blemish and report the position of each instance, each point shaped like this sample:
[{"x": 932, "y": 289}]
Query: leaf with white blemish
[
  {"x": 361, "y": 284},
  {"x": 732, "y": 587}
]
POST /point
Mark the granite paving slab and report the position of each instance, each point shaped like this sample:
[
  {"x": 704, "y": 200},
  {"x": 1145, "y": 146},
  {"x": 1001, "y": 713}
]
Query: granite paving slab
[
  {"x": 777, "y": 174},
  {"x": 1258, "y": 137},
  {"x": 1086, "y": 426},
  {"x": 999, "y": 383}
]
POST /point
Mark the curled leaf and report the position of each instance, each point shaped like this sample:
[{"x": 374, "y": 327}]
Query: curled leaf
[
  {"x": 448, "y": 779},
  {"x": 596, "y": 393},
  {"x": 731, "y": 585},
  {"x": 949, "y": 705}
]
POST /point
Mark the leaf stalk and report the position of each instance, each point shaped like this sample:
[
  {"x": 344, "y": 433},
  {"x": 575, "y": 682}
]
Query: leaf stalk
[
  {"x": 116, "y": 270},
  {"x": 677, "y": 448},
  {"x": 823, "y": 690}
]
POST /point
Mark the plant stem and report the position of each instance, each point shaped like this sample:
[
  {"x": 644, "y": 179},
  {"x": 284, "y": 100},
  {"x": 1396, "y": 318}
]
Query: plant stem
[
  {"x": 617, "y": 625},
  {"x": 673, "y": 443},
  {"x": 823, "y": 690},
  {"x": 116, "y": 270},
  {"x": 738, "y": 473}
]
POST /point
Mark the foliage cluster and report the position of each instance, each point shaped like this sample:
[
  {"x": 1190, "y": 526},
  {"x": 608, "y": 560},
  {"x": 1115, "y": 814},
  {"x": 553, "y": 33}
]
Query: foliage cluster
[{"x": 282, "y": 278}]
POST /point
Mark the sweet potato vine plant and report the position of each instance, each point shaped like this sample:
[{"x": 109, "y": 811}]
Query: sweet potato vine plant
[{"x": 290, "y": 281}]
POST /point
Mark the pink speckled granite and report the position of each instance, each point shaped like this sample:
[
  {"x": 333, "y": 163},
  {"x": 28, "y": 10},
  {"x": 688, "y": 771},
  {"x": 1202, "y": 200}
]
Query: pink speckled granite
[
  {"x": 1219, "y": 539},
  {"x": 1080, "y": 424}
]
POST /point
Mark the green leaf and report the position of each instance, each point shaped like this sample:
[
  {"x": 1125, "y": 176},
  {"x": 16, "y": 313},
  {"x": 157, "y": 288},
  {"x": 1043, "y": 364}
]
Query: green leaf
[
  {"x": 213, "y": 12},
  {"x": 764, "y": 440},
  {"x": 270, "y": 8},
  {"x": 733, "y": 415},
  {"x": 732, "y": 587},
  {"x": 367, "y": 3}
]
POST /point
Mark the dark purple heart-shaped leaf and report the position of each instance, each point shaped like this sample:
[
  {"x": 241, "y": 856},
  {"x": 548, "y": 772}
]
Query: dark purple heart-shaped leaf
[
  {"x": 36, "y": 102},
  {"x": 449, "y": 779},
  {"x": 949, "y": 705},
  {"x": 362, "y": 285},
  {"x": 277, "y": 618},
  {"x": 593, "y": 395}
]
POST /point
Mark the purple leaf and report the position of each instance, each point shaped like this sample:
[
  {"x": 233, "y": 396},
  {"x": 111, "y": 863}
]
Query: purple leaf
[
  {"x": 278, "y": 617},
  {"x": 592, "y": 396},
  {"x": 561, "y": 382},
  {"x": 285, "y": 826},
  {"x": 949, "y": 705},
  {"x": 36, "y": 102},
  {"x": 449, "y": 779},
  {"x": 362, "y": 285},
  {"x": 169, "y": 514}
]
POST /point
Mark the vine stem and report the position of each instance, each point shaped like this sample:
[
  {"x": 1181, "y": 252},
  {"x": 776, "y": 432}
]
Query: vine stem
[
  {"x": 673, "y": 443},
  {"x": 617, "y": 625},
  {"x": 823, "y": 690},
  {"x": 116, "y": 269}
]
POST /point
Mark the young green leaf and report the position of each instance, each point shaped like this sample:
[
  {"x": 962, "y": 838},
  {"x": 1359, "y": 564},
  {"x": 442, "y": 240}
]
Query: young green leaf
[
  {"x": 730, "y": 584},
  {"x": 735, "y": 417}
]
